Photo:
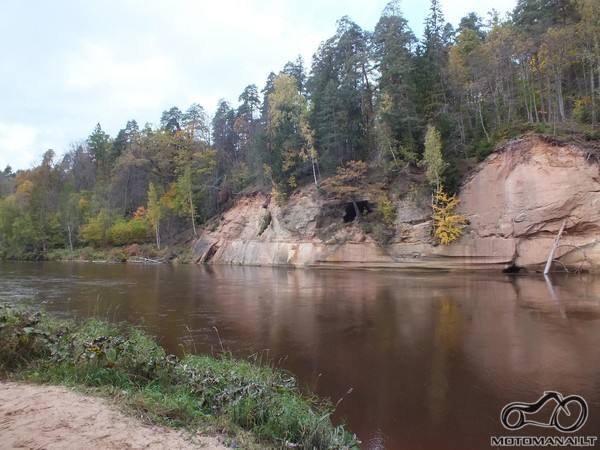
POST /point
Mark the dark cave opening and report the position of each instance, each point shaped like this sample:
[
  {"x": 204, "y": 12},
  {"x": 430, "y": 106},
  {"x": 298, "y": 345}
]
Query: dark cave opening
[
  {"x": 363, "y": 206},
  {"x": 512, "y": 269}
]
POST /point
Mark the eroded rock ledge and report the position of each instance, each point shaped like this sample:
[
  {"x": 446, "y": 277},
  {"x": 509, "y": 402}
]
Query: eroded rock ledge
[{"x": 515, "y": 202}]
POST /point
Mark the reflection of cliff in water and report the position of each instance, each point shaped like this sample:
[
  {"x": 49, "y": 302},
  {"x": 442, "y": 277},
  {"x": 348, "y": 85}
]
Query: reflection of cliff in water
[
  {"x": 538, "y": 337},
  {"x": 431, "y": 358},
  {"x": 420, "y": 349}
]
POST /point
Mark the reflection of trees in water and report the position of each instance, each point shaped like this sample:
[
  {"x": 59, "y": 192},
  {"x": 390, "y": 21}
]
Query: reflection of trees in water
[
  {"x": 448, "y": 338},
  {"x": 399, "y": 337}
]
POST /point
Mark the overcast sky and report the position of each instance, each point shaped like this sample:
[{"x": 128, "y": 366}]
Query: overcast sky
[{"x": 66, "y": 65}]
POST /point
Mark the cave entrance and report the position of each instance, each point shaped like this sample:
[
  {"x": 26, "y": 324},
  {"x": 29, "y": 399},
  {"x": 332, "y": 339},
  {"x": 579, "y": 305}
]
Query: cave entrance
[
  {"x": 350, "y": 216},
  {"x": 512, "y": 269}
]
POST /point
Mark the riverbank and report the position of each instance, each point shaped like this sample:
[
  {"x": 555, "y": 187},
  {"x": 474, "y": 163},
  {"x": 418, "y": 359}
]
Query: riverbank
[
  {"x": 134, "y": 253},
  {"x": 53, "y": 417},
  {"x": 255, "y": 405}
]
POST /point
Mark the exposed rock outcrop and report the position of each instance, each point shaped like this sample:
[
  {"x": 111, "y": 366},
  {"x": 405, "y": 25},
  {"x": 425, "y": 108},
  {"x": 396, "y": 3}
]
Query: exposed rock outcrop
[
  {"x": 515, "y": 202},
  {"x": 525, "y": 190}
]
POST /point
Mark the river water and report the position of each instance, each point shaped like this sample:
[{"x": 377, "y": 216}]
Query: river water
[{"x": 417, "y": 360}]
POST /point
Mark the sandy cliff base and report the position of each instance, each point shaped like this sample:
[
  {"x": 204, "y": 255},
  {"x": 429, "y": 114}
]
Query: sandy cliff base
[{"x": 48, "y": 417}]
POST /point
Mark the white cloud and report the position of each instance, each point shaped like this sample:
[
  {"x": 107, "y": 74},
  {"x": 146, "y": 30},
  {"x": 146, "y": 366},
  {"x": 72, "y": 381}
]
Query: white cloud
[
  {"x": 79, "y": 63},
  {"x": 96, "y": 66},
  {"x": 16, "y": 144}
]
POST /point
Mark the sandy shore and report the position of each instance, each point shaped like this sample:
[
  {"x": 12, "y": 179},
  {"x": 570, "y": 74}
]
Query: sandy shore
[{"x": 49, "y": 417}]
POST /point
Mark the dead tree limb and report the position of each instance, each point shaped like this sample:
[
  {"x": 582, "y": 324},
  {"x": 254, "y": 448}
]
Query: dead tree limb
[{"x": 554, "y": 247}]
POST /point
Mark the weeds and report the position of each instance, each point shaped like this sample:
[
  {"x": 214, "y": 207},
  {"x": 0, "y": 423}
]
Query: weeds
[{"x": 192, "y": 392}]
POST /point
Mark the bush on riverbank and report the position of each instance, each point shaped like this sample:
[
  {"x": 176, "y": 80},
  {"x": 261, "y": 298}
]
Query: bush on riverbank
[{"x": 190, "y": 392}]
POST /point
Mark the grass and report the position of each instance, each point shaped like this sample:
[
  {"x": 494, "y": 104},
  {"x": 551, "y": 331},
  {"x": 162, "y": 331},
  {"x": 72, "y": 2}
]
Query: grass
[{"x": 258, "y": 405}]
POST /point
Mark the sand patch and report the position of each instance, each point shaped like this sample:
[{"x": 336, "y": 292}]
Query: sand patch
[{"x": 51, "y": 417}]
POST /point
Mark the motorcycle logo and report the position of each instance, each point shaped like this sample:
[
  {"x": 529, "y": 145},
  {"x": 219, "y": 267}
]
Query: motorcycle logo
[{"x": 568, "y": 416}]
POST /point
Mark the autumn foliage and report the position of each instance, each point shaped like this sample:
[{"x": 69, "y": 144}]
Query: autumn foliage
[{"x": 447, "y": 225}]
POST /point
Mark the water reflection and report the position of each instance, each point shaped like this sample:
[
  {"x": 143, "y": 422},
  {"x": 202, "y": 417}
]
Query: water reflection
[{"x": 431, "y": 359}]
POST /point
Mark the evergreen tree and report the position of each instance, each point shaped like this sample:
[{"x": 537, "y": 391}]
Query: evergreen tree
[
  {"x": 170, "y": 120},
  {"x": 342, "y": 96},
  {"x": 432, "y": 64},
  {"x": 130, "y": 177},
  {"x": 286, "y": 114},
  {"x": 472, "y": 22},
  {"x": 125, "y": 138},
  {"x": 297, "y": 70},
  {"x": 250, "y": 103},
  {"x": 246, "y": 121},
  {"x": 101, "y": 148},
  {"x": 397, "y": 122},
  {"x": 195, "y": 122},
  {"x": 6, "y": 182},
  {"x": 224, "y": 136}
]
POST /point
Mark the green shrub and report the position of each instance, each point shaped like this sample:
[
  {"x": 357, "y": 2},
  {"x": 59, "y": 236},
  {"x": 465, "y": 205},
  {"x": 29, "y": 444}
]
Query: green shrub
[
  {"x": 387, "y": 210},
  {"x": 582, "y": 109},
  {"x": 121, "y": 358},
  {"x": 125, "y": 232},
  {"x": 541, "y": 128},
  {"x": 483, "y": 149},
  {"x": 21, "y": 340},
  {"x": 95, "y": 230},
  {"x": 593, "y": 135},
  {"x": 86, "y": 254},
  {"x": 264, "y": 223}
]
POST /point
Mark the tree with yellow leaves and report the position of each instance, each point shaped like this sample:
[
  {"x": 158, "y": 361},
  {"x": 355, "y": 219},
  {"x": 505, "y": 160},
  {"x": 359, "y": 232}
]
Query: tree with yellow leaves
[{"x": 447, "y": 225}]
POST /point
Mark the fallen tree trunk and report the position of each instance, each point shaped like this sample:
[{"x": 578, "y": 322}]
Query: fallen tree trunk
[{"x": 554, "y": 247}]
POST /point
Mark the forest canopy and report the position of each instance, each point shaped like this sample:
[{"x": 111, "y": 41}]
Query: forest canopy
[{"x": 368, "y": 96}]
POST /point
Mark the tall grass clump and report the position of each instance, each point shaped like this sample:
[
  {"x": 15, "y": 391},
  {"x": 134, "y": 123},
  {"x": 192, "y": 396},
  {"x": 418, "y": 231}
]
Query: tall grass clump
[{"x": 193, "y": 392}]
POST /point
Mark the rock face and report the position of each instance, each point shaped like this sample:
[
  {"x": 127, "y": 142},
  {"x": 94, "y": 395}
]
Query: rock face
[
  {"x": 515, "y": 202},
  {"x": 523, "y": 192}
]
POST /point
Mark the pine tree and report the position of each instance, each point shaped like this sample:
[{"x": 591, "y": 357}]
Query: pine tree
[{"x": 397, "y": 121}]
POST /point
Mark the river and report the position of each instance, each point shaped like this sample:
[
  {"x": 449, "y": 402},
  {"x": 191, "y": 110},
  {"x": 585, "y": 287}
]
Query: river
[{"x": 416, "y": 360}]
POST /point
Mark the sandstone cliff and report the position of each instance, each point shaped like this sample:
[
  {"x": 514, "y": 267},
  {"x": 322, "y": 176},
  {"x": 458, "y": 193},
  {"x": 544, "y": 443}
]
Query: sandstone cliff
[{"x": 515, "y": 202}]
